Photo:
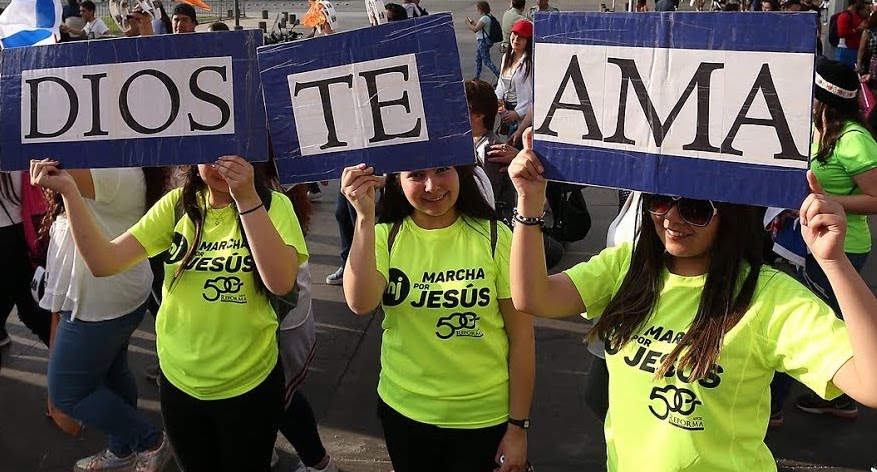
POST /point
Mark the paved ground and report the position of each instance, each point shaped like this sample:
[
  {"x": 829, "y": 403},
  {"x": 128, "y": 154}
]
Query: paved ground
[{"x": 341, "y": 386}]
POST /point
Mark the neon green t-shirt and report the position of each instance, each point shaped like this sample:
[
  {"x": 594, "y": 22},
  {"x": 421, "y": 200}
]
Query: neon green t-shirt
[
  {"x": 854, "y": 153},
  {"x": 717, "y": 423},
  {"x": 215, "y": 331},
  {"x": 444, "y": 353}
]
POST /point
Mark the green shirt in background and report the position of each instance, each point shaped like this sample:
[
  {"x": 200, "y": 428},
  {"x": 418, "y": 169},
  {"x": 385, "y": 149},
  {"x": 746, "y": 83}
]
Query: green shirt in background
[
  {"x": 854, "y": 153},
  {"x": 718, "y": 423},
  {"x": 215, "y": 332},
  {"x": 444, "y": 352}
]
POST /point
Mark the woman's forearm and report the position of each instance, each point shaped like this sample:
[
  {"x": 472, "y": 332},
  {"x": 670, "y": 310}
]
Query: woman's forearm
[
  {"x": 857, "y": 204},
  {"x": 276, "y": 262},
  {"x": 363, "y": 284},
  {"x": 522, "y": 374}
]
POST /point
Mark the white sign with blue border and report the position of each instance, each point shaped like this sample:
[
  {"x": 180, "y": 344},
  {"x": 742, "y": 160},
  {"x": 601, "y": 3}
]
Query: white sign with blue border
[
  {"x": 391, "y": 96},
  {"x": 703, "y": 106},
  {"x": 133, "y": 102}
]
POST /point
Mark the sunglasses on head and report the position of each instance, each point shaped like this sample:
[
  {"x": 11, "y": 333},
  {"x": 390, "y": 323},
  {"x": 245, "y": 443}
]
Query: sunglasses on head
[{"x": 694, "y": 212}]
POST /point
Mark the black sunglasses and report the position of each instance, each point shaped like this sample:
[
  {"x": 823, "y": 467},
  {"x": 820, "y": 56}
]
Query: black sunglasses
[{"x": 694, "y": 212}]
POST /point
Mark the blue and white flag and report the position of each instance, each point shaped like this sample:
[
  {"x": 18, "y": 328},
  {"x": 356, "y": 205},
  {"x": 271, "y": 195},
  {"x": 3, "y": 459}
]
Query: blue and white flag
[{"x": 30, "y": 23}]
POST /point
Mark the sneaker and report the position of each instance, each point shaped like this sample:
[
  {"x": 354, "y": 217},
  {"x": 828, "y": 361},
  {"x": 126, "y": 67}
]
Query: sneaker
[
  {"x": 154, "y": 461},
  {"x": 874, "y": 467},
  {"x": 330, "y": 467},
  {"x": 843, "y": 406},
  {"x": 336, "y": 278},
  {"x": 314, "y": 196},
  {"x": 5, "y": 340},
  {"x": 776, "y": 420},
  {"x": 106, "y": 461}
]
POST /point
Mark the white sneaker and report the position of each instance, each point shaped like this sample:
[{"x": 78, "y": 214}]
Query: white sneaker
[
  {"x": 154, "y": 461},
  {"x": 336, "y": 278},
  {"x": 330, "y": 467},
  {"x": 105, "y": 461}
]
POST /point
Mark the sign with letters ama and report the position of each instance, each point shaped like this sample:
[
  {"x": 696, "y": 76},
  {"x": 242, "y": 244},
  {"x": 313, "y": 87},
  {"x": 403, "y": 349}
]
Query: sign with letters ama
[
  {"x": 391, "y": 96},
  {"x": 131, "y": 102},
  {"x": 703, "y": 106}
]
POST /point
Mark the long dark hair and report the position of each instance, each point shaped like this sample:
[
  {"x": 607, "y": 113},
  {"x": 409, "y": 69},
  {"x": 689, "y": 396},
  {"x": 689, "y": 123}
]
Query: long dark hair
[
  {"x": 739, "y": 241},
  {"x": 394, "y": 206},
  {"x": 508, "y": 59},
  {"x": 830, "y": 121},
  {"x": 157, "y": 184},
  {"x": 193, "y": 203}
]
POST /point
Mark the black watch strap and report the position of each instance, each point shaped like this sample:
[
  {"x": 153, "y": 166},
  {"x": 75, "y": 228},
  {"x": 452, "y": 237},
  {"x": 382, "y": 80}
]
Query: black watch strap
[{"x": 524, "y": 423}]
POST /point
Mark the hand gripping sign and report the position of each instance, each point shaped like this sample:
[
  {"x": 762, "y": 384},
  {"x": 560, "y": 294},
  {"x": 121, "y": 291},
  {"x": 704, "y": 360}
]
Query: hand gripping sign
[
  {"x": 391, "y": 96},
  {"x": 132, "y": 102},
  {"x": 704, "y": 106}
]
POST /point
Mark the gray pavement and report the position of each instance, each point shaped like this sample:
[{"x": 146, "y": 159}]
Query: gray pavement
[{"x": 565, "y": 437}]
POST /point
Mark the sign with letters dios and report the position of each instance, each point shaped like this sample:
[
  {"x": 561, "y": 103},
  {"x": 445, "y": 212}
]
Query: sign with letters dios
[
  {"x": 131, "y": 102},
  {"x": 704, "y": 106},
  {"x": 391, "y": 96}
]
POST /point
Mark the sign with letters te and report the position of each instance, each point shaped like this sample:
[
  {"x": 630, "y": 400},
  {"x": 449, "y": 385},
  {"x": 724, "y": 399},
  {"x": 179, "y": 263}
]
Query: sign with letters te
[
  {"x": 704, "y": 106},
  {"x": 391, "y": 96},
  {"x": 132, "y": 102}
]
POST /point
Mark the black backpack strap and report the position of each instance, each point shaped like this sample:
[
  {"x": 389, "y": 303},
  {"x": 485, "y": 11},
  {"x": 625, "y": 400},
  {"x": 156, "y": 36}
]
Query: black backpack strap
[
  {"x": 391, "y": 238},
  {"x": 493, "y": 237}
]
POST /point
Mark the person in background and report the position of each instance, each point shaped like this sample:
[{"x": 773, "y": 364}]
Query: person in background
[
  {"x": 395, "y": 12},
  {"x": 514, "y": 14},
  {"x": 541, "y": 5},
  {"x": 642, "y": 6},
  {"x": 183, "y": 19},
  {"x": 866, "y": 60},
  {"x": 413, "y": 8},
  {"x": 94, "y": 28},
  {"x": 514, "y": 90},
  {"x": 162, "y": 24},
  {"x": 217, "y": 26},
  {"x": 770, "y": 5},
  {"x": 850, "y": 24},
  {"x": 481, "y": 28},
  {"x": 71, "y": 9}
]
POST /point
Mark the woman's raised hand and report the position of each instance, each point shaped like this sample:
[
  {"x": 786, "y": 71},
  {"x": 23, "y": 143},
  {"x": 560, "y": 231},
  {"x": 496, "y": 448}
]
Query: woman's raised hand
[
  {"x": 823, "y": 224},
  {"x": 47, "y": 173},
  {"x": 526, "y": 173},
  {"x": 358, "y": 185},
  {"x": 238, "y": 174}
]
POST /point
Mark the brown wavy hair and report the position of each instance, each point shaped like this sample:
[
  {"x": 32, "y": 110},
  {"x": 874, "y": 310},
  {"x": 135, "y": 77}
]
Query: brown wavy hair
[{"x": 738, "y": 246}]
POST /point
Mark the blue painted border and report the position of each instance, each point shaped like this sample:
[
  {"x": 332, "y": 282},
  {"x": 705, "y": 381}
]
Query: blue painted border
[
  {"x": 745, "y": 31},
  {"x": 689, "y": 177},
  {"x": 433, "y": 41},
  {"x": 249, "y": 139}
]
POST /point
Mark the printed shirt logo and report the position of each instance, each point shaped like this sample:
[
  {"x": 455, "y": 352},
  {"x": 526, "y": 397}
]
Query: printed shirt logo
[
  {"x": 675, "y": 404},
  {"x": 217, "y": 288},
  {"x": 443, "y": 293}
]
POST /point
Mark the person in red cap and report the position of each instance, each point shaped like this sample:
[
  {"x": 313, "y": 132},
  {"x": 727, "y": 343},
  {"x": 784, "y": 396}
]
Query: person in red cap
[{"x": 515, "y": 87}]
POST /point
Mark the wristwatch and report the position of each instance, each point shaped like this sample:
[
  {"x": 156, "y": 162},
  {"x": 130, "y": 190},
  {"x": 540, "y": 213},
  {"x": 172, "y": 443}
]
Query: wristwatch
[{"x": 524, "y": 423}]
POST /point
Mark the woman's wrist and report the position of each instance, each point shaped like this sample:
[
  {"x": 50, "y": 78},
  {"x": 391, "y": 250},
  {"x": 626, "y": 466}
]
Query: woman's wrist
[{"x": 529, "y": 207}]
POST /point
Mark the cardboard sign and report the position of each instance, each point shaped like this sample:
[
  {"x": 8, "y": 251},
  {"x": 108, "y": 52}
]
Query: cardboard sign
[
  {"x": 391, "y": 96},
  {"x": 704, "y": 106},
  {"x": 132, "y": 102}
]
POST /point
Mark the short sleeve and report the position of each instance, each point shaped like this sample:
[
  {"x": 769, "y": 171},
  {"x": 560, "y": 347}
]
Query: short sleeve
[
  {"x": 857, "y": 152},
  {"x": 155, "y": 230},
  {"x": 100, "y": 28},
  {"x": 501, "y": 259},
  {"x": 287, "y": 225},
  {"x": 598, "y": 278},
  {"x": 106, "y": 184},
  {"x": 802, "y": 336},
  {"x": 382, "y": 255}
]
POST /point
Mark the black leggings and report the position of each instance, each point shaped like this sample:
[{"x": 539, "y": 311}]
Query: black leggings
[
  {"x": 419, "y": 447},
  {"x": 235, "y": 434},
  {"x": 15, "y": 278},
  {"x": 299, "y": 426}
]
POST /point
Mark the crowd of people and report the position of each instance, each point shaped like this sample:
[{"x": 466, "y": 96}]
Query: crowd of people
[{"x": 688, "y": 308}]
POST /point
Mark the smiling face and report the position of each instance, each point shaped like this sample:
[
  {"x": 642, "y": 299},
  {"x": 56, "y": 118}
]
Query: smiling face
[
  {"x": 688, "y": 245},
  {"x": 433, "y": 194},
  {"x": 519, "y": 43}
]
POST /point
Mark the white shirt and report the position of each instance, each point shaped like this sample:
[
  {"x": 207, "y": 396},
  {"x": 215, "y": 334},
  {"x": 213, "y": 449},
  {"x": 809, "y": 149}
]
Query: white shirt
[
  {"x": 522, "y": 86},
  {"x": 10, "y": 211},
  {"x": 95, "y": 28},
  {"x": 412, "y": 9},
  {"x": 119, "y": 202}
]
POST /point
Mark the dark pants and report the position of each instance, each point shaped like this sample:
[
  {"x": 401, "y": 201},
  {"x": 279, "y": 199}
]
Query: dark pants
[
  {"x": 345, "y": 215},
  {"x": 299, "y": 426},
  {"x": 16, "y": 273},
  {"x": 419, "y": 447},
  {"x": 597, "y": 388},
  {"x": 233, "y": 435}
]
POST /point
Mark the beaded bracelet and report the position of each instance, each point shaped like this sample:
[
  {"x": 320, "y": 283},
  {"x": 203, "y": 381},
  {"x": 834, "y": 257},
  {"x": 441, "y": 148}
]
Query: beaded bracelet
[{"x": 534, "y": 221}]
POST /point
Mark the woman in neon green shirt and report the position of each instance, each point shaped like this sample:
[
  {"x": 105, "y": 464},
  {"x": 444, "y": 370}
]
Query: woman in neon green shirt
[
  {"x": 230, "y": 241},
  {"x": 695, "y": 326},
  {"x": 457, "y": 359}
]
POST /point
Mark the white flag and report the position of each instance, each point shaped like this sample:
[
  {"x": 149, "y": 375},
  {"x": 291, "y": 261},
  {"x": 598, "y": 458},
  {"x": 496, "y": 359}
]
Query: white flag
[{"x": 30, "y": 23}]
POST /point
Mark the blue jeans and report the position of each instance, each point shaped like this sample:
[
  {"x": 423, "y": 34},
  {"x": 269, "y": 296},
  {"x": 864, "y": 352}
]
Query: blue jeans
[
  {"x": 482, "y": 55},
  {"x": 89, "y": 380}
]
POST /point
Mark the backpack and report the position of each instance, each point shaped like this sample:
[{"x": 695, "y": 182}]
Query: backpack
[
  {"x": 572, "y": 221},
  {"x": 494, "y": 34},
  {"x": 833, "y": 36}
]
